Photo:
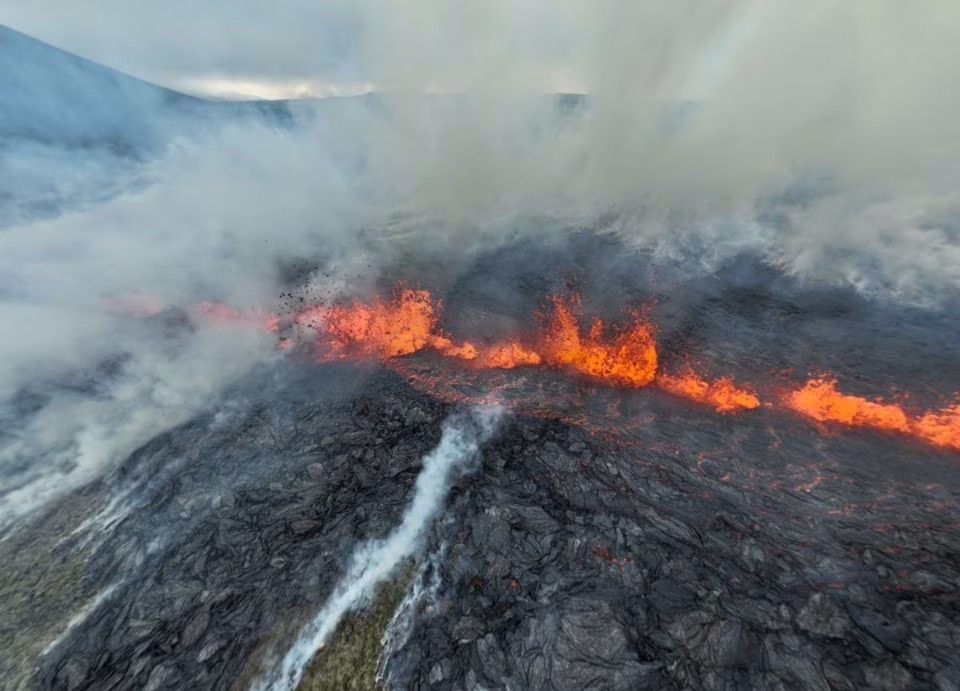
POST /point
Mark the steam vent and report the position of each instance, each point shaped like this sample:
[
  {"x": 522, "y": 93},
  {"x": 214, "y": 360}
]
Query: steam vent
[{"x": 498, "y": 345}]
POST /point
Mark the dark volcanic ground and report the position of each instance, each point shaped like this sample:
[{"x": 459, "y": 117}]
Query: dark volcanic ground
[
  {"x": 703, "y": 552},
  {"x": 605, "y": 539}
]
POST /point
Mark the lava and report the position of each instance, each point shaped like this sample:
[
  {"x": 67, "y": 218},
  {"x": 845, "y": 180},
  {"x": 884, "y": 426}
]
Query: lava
[
  {"x": 401, "y": 325},
  {"x": 723, "y": 394},
  {"x": 408, "y": 322},
  {"x": 940, "y": 427},
  {"x": 628, "y": 357},
  {"x": 819, "y": 399},
  {"x": 495, "y": 356},
  {"x": 620, "y": 355}
]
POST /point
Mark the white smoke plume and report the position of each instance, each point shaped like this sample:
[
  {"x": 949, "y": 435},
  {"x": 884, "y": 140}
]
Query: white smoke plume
[
  {"x": 375, "y": 561},
  {"x": 698, "y": 113},
  {"x": 77, "y": 436},
  {"x": 699, "y": 116},
  {"x": 214, "y": 222}
]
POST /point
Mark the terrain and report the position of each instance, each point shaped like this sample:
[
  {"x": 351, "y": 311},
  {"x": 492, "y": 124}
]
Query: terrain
[
  {"x": 557, "y": 460},
  {"x": 602, "y": 538}
]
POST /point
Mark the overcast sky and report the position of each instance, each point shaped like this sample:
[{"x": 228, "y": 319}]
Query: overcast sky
[
  {"x": 655, "y": 48},
  {"x": 315, "y": 47},
  {"x": 286, "y": 45},
  {"x": 288, "y": 48}
]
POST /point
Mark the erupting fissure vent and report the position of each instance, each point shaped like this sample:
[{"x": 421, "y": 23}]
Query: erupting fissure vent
[{"x": 622, "y": 355}]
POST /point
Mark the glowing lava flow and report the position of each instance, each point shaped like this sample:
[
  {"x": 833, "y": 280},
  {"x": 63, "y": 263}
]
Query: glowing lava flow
[
  {"x": 941, "y": 427},
  {"x": 820, "y": 400},
  {"x": 383, "y": 329},
  {"x": 722, "y": 394},
  {"x": 623, "y": 355},
  {"x": 403, "y": 325}
]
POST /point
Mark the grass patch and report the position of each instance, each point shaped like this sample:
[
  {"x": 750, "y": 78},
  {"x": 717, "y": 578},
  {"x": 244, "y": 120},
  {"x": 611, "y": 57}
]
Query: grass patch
[
  {"x": 41, "y": 587},
  {"x": 349, "y": 660}
]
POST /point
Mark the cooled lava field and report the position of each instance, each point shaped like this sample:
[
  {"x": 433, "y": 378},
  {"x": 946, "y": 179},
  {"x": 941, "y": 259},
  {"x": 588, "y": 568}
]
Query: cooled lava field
[{"x": 728, "y": 482}]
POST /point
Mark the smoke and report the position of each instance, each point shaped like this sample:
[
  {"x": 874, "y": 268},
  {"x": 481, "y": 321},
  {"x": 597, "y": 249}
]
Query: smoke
[
  {"x": 214, "y": 223},
  {"x": 375, "y": 561},
  {"x": 84, "y": 425},
  {"x": 80, "y": 617},
  {"x": 838, "y": 115},
  {"x": 820, "y": 136}
]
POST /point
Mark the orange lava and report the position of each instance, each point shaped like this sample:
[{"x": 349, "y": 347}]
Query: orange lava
[
  {"x": 622, "y": 355},
  {"x": 941, "y": 427},
  {"x": 820, "y": 400},
  {"x": 507, "y": 356},
  {"x": 401, "y": 325},
  {"x": 723, "y": 394},
  {"x": 496, "y": 356},
  {"x": 407, "y": 323},
  {"x": 627, "y": 356}
]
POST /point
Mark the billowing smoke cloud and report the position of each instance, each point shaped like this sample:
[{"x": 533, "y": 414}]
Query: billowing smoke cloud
[
  {"x": 699, "y": 113},
  {"x": 374, "y": 562},
  {"x": 212, "y": 222},
  {"x": 81, "y": 426},
  {"x": 820, "y": 135}
]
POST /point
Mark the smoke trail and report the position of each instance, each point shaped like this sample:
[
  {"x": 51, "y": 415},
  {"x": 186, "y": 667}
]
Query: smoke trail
[
  {"x": 374, "y": 561},
  {"x": 82, "y": 616}
]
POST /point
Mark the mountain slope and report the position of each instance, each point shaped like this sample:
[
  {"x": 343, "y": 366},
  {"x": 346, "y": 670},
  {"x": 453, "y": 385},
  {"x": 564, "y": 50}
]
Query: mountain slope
[
  {"x": 50, "y": 95},
  {"x": 74, "y": 132}
]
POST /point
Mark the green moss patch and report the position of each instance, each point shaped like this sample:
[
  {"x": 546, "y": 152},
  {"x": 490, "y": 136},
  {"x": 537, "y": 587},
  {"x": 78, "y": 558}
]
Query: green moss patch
[{"x": 349, "y": 660}]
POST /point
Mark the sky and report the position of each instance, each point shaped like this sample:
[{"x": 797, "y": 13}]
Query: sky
[
  {"x": 292, "y": 48},
  {"x": 271, "y": 50},
  {"x": 674, "y": 48},
  {"x": 295, "y": 48}
]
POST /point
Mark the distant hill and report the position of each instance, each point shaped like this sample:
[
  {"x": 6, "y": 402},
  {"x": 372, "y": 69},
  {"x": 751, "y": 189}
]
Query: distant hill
[
  {"x": 74, "y": 132},
  {"x": 51, "y": 96}
]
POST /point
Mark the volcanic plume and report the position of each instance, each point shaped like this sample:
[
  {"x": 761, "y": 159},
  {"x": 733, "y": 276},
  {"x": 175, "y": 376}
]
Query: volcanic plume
[{"x": 704, "y": 256}]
